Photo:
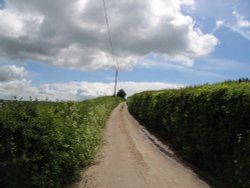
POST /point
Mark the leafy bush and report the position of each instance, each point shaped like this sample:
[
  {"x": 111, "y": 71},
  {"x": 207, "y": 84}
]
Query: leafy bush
[
  {"x": 45, "y": 144},
  {"x": 121, "y": 93},
  {"x": 208, "y": 125}
]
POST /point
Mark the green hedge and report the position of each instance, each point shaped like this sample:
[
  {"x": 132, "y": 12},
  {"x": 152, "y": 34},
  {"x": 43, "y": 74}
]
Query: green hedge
[
  {"x": 208, "y": 126},
  {"x": 46, "y": 144}
]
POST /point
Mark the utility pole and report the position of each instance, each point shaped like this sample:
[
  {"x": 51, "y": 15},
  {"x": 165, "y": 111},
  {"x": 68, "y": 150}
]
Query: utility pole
[
  {"x": 111, "y": 45},
  {"x": 116, "y": 78}
]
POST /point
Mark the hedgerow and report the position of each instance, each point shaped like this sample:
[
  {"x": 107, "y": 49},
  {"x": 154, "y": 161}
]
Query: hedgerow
[
  {"x": 46, "y": 144},
  {"x": 208, "y": 126}
]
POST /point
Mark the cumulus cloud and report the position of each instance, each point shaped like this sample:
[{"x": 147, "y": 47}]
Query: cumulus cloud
[
  {"x": 73, "y": 33},
  {"x": 11, "y": 72},
  {"x": 74, "y": 90}
]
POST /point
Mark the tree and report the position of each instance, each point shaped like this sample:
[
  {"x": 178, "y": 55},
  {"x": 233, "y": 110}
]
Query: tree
[{"x": 121, "y": 93}]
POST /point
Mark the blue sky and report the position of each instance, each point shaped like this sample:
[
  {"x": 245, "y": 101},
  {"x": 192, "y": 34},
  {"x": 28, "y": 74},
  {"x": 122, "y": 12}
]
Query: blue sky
[
  {"x": 226, "y": 23},
  {"x": 1, "y": 3}
]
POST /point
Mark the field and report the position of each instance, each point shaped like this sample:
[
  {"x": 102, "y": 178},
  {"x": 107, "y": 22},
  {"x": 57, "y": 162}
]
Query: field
[
  {"x": 46, "y": 144},
  {"x": 208, "y": 125}
]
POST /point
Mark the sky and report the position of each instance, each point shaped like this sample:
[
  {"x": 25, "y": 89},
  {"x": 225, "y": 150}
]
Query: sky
[{"x": 59, "y": 50}]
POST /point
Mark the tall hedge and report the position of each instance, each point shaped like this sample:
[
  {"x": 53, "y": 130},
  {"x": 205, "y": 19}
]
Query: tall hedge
[
  {"x": 46, "y": 144},
  {"x": 207, "y": 125}
]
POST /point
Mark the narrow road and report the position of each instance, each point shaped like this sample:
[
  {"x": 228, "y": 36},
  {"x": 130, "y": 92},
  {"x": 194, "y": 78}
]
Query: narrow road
[{"x": 129, "y": 159}]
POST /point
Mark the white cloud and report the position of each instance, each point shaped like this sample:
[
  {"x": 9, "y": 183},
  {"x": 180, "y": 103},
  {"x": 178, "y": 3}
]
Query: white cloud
[
  {"x": 11, "y": 24},
  {"x": 241, "y": 21},
  {"x": 21, "y": 88},
  {"x": 219, "y": 24},
  {"x": 135, "y": 87},
  {"x": 73, "y": 90},
  {"x": 187, "y": 2},
  {"x": 240, "y": 25},
  {"x": 11, "y": 72},
  {"x": 73, "y": 33},
  {"x": 91, "y": 59}
]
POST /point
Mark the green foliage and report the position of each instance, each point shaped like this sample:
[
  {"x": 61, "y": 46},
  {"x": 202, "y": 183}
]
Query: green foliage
[
  {"x": 208, "y": 125},
  {"x": 121, "y": 93},
  {"x": 46, "y": 144}
]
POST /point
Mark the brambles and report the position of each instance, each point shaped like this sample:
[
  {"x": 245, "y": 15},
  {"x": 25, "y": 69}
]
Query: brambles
[
  {"x": 46, "y": 144},
  {"x": 208, "y": 125}
]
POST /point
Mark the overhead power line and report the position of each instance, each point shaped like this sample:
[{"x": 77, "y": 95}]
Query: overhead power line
[
  {"x": 108, "y": 28},
  {"x": 110, "y": 43}
]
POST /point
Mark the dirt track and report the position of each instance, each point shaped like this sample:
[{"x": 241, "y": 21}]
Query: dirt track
[{"x": 129, "y": 159}]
